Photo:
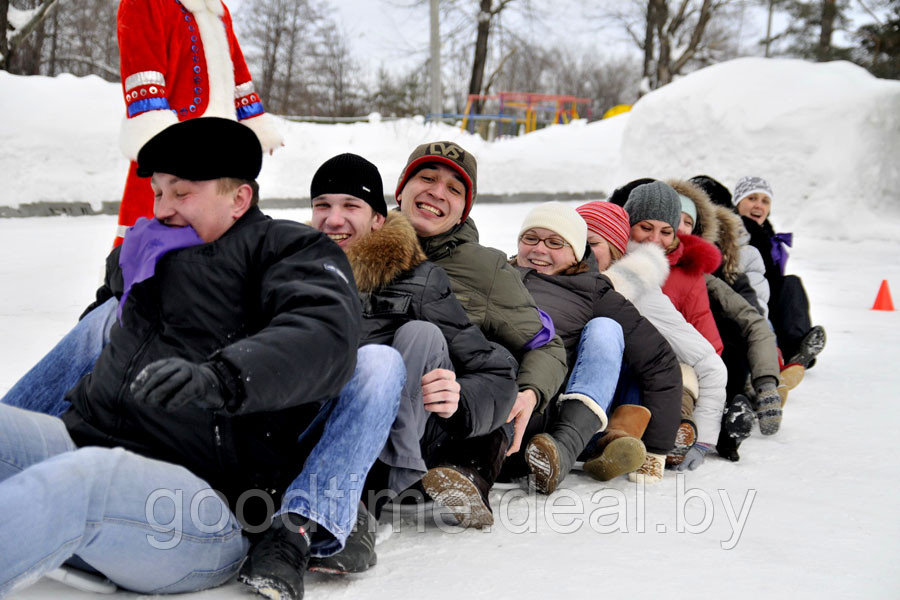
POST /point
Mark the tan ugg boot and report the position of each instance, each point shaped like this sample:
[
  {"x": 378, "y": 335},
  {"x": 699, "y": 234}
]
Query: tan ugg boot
[
  {"x": 621, "y": 449},
  {"x": 651, "y": 471},
  {"x": 791, "y": 376}
]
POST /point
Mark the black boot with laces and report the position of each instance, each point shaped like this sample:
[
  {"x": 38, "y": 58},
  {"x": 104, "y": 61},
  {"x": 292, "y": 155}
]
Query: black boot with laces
[{"x": 277, "y": 563}]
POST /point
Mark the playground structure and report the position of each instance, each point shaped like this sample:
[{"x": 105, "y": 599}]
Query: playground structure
[{"x": 515, "y": 113}]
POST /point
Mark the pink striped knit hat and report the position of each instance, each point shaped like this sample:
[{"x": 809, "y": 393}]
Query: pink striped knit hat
[{"x": 607, "y": 220}]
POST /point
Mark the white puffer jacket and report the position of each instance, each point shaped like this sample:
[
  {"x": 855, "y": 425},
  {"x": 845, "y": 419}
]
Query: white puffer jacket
[
  {"x": 751, "y": 263},
  {"x": 639, "y": 277}
]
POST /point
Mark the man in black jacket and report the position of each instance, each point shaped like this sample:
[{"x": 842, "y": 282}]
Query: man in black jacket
[
  {"x": 459, "y": 384},
  {"x": 230, "y": 368}
]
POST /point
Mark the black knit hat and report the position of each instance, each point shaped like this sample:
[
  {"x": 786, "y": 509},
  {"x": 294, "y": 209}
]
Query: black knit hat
[
  {"x": 353, "y": 175},
  {"x": 202, "y": 149},
  {"x": 620, "y": 195},
  {"x": 717, "y": 192}
]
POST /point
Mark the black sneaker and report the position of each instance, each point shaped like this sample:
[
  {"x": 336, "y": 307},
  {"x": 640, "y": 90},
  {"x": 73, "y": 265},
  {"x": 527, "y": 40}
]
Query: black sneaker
[
  {"x": 810, "y": 346},
  {"x": 358, "y": 554},
  {"x": 277, "y": 563}
]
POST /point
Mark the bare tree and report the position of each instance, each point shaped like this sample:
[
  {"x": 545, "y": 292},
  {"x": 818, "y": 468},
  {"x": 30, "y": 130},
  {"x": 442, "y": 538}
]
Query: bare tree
[
  {"x": 829, "y": 13},
  {"x": 16, "y": 32},
  {"x": 674, "y": 36},
  {"x": 337, "y": 73}
]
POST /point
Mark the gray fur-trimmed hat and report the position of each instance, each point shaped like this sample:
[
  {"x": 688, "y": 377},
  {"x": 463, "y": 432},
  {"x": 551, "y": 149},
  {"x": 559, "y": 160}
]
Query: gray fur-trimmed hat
[
  {"x": 655, "y": 201},
  {"x": 751, "y": 185}
]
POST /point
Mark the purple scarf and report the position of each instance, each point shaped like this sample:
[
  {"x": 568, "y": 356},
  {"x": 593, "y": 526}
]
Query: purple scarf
[
  {"x": 544, "y": 335},
  {"x": 779, "y": 253},
  {"x": 145, "y": 243}
]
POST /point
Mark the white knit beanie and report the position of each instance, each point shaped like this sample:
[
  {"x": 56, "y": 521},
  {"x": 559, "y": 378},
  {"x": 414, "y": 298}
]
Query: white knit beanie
[
  {"x": 562, "y": 220},
  {"x": 751, "y": 185}
]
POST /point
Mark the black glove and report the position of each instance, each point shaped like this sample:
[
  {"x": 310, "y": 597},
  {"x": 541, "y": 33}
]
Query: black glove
[{"x": 172, "y": 383}]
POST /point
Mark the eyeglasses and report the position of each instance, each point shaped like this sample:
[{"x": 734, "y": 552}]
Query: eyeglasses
[{"x": 553, "y": 243}]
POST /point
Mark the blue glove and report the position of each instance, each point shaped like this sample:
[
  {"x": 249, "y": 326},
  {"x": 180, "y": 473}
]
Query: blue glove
[{"x": 694, "y": 457}]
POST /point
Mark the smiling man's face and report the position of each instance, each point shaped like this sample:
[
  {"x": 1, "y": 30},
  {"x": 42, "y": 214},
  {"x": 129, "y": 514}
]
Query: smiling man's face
[
  {"x": 433, "y": 200},
  {"x": 345, "y": 219}
]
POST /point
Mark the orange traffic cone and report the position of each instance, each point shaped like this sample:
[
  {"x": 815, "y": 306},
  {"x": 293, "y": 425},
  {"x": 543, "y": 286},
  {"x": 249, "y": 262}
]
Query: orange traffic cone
[{"x": 883, "y": 299}]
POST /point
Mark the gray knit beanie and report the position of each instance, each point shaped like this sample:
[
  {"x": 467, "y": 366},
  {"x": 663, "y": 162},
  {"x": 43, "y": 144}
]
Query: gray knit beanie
[{"x": 655, "y": 201}]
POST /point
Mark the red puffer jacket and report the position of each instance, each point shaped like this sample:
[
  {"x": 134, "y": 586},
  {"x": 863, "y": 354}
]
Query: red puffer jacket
[{"x": 686, "y": 285}]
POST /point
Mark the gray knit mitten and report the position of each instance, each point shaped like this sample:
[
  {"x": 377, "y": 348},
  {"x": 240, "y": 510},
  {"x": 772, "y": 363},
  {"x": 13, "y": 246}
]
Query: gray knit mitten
[{"x": 768, "y": 409}]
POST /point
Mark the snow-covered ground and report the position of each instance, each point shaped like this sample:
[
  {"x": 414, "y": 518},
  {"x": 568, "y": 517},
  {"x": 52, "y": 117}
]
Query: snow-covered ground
[
  {"x": 822, "y": 522},
  {"x": 810, "y": 512}
]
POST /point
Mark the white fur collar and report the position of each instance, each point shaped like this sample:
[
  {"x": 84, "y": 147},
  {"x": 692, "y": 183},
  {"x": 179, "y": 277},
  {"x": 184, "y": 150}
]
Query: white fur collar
[
  {"x": 643, "y": 268},
  {"x": 213, "y": 6}
]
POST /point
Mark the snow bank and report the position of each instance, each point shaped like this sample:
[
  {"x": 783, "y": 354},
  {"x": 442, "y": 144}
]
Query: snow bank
[
  {"x": 825, "y": 136},
  {"x": 60, "y": 140}
]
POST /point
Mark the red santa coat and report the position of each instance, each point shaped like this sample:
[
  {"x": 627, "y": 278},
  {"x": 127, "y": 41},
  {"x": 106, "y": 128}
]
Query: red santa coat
[
  {"x": 686, "y": 285},
  {"x": 179, "y": 60}
]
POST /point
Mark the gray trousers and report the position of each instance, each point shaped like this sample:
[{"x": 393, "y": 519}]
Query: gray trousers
[{"x": 423, "y": 348}]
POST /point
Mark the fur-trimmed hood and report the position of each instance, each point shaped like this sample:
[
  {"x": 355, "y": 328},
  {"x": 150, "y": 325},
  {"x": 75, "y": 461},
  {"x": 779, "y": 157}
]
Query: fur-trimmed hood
[
  {"x": 695, "y": 255},
  {"x": 381, "y": 256},
  {"x": 731, "y": 233},
  {"x": 715, "y": 224},
  {"x": 643, "y": 268}
]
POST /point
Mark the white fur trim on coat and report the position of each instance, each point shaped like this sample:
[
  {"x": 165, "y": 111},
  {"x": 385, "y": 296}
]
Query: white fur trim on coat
[
  {"x": 263, "y": 125},
  {"x": 644, "y": 267},
  {"x": 219, "y": 68},
  {"x": 137, "y": 131},
  {"x": 587, "y": 401},
  {"x": 213, "y": 6}
]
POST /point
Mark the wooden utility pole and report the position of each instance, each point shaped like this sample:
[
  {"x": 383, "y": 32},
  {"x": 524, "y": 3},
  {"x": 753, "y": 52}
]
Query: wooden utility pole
[{"x": 436, "y": 104}]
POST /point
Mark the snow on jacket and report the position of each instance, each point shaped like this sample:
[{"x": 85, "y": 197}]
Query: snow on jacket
[
  {"x": 581, "y": 294},
  {"x": 397, "y": 285},
  {"x": 494, "y": 297},
  {"x": 686, "y": 288},
  {"x": 638, "y": 277},
  {"x": 762, "y": 352},
  {"x": 271, "y": 305},
  {"x": 751, "y": 264}
]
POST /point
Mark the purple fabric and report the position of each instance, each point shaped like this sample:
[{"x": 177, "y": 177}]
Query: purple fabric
[
  {"x": 779, "y": 253},
  {"x": 145, "y": 243},
  {"x": 544, "y": 335}
]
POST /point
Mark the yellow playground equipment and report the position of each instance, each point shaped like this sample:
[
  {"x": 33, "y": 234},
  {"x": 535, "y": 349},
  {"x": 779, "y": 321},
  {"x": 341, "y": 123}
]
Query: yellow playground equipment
[{"x": 513, "y": 113}]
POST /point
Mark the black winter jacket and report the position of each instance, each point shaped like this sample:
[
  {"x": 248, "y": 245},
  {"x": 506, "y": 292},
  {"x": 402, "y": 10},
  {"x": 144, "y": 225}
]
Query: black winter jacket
[
  {"x": 397, "y": 285},
  {"x": 581, "y": 294},
  {"x": 761, "y": 239},
  {"x": 270, "y": 304}
]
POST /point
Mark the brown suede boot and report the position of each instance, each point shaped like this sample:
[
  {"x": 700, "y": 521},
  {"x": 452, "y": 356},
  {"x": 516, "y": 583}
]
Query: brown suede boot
[{"x": 621, "y": 449}]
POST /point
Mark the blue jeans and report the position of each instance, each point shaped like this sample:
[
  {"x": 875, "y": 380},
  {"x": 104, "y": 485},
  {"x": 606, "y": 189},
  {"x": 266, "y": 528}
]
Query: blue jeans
[
  {"x": 596, "y": 370},
  {"x": 150, "y": 526},
  {"x": 356, "y": 427},
  {"x": 57, "y": 501},
  {"x": 43, "y": 388}
]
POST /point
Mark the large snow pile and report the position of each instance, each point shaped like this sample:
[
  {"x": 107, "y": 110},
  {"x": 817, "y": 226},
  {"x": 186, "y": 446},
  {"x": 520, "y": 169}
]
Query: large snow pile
[
  {"x": 60, "y": 144},
  {"x": 825, "y": 136}
]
